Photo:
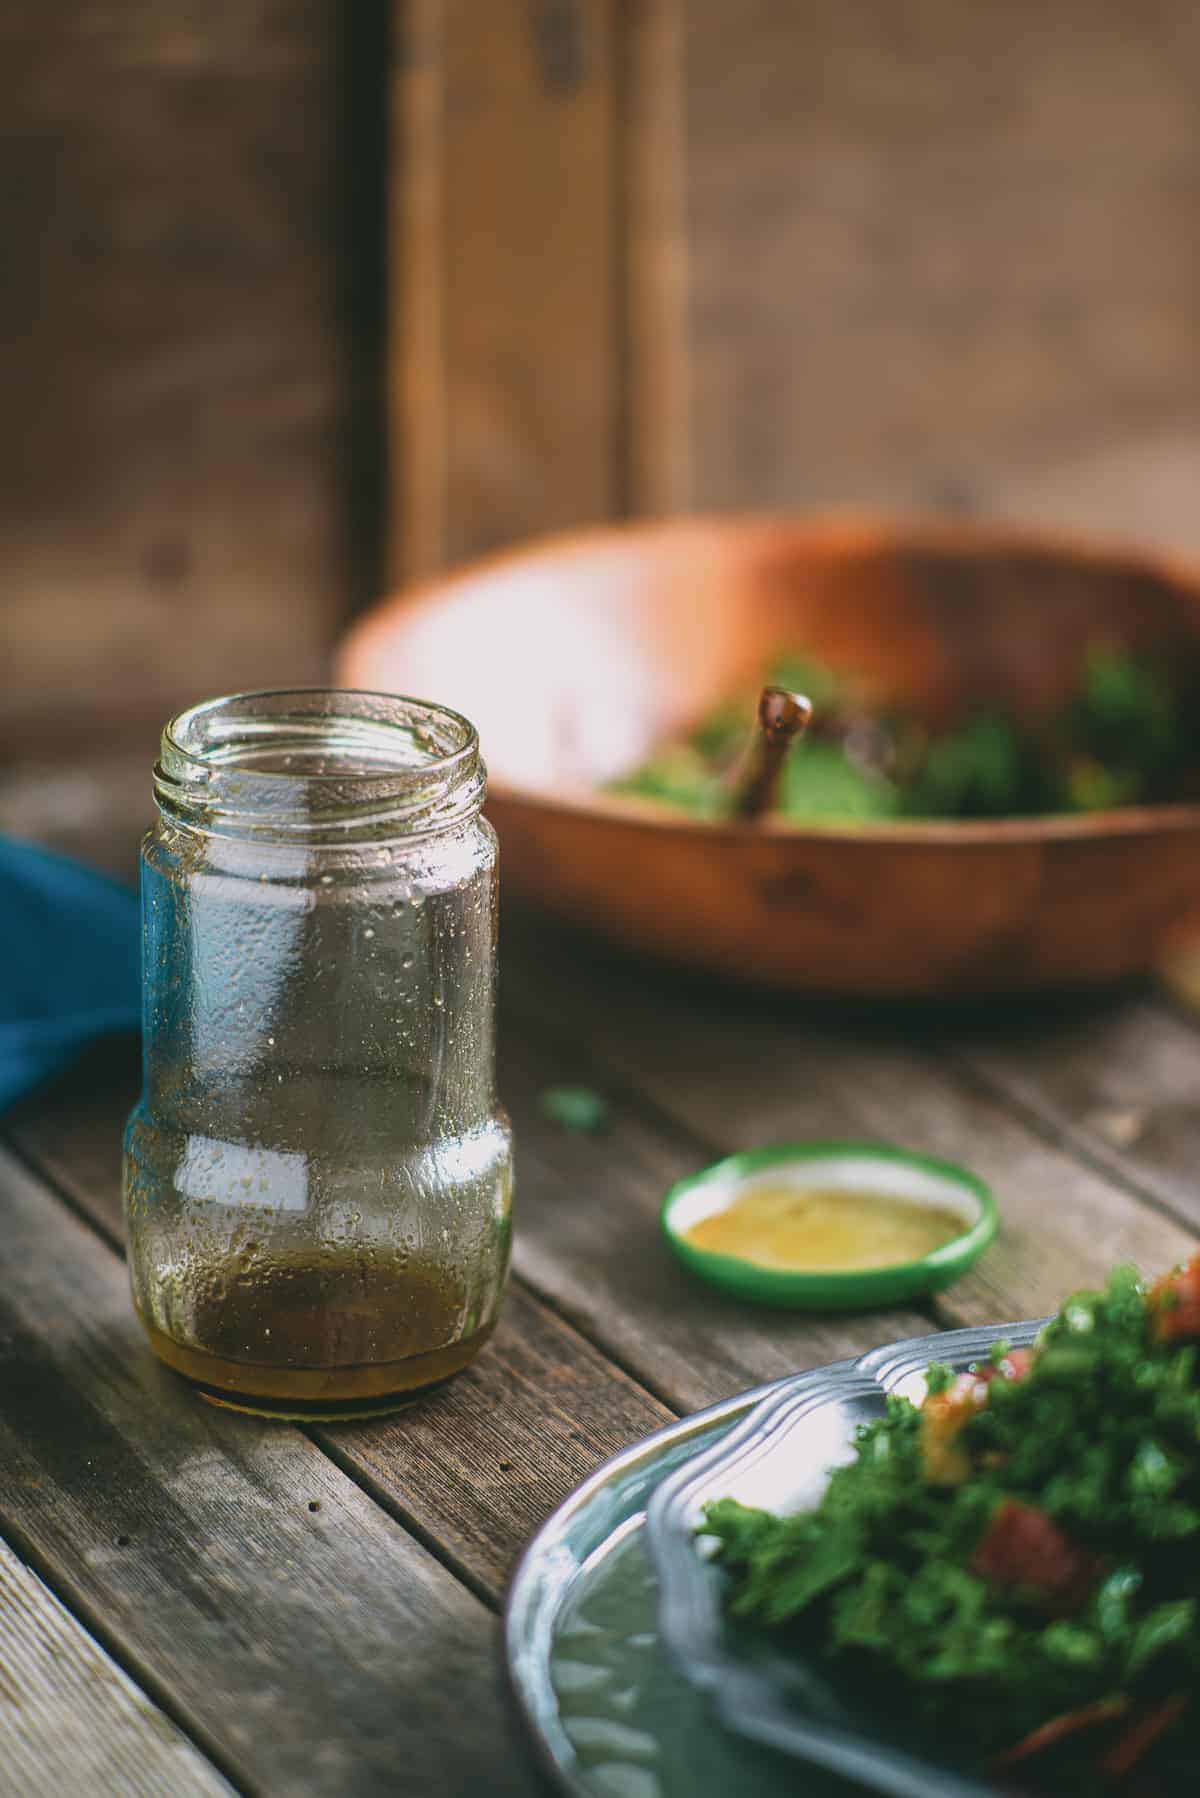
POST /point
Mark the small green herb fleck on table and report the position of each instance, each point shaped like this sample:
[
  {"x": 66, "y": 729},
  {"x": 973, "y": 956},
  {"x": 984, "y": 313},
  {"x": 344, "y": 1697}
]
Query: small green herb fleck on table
[{"x": 577, "y": 1109}]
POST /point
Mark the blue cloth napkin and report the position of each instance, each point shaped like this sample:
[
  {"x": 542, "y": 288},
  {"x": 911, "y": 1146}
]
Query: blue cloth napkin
[{"x": 69, "y": 963}]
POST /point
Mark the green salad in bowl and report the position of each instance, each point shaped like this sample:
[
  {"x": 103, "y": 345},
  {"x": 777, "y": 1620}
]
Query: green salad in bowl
[
  {"x": 1124, "y": 736},
  {"x": 1018, "y": 1557}
]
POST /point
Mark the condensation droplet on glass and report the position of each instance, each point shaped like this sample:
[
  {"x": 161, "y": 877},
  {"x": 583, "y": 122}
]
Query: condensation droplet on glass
[
  {"x": 327, "y": 880},
  {"x": 368, "y": 933}
]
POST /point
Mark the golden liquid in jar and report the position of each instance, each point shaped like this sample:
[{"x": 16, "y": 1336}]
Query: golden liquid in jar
[
  {"x": 312, "y": 1337},
  {"x": 799, "y": 1229}
]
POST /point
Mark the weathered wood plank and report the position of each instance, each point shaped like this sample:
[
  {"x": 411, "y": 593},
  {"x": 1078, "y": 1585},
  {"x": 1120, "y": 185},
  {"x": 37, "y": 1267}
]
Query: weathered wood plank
[
  {"x": 506, "y": 314},
  {"x": 478, "y": 1465},
  {"x": 742, "y": 1068},
  {"x": 1117, "y": 1078},
  {"x": 71, "y": 1720},
  {"x": 657, "y": 379},
  {"x": 307, "y": 1638}
]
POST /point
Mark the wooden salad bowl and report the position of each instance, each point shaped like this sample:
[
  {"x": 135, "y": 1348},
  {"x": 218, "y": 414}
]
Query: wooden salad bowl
[{"x": 576, "y": 656}]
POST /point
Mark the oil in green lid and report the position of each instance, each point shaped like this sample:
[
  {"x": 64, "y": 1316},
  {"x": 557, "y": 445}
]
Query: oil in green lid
[{"x": 799, "y": 1229}]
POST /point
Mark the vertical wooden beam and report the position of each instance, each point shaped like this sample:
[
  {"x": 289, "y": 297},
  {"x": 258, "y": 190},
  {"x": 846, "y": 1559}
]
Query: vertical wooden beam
[
  {"x": 657, "y": 399},
  {"x": 506, "y": 251},
  {"x": 416, "y": 353}
]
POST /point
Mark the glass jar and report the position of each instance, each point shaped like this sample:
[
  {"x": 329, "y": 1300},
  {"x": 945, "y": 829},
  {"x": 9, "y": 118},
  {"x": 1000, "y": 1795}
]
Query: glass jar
[{"x": 317, "y": 1175}]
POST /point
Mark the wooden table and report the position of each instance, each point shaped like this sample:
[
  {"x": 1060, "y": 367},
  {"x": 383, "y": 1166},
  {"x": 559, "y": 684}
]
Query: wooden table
[{"x": 189, "y": 1597}]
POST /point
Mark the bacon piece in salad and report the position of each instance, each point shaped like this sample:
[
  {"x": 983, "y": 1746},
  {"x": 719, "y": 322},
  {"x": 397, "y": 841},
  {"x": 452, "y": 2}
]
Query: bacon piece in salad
[
  {"x": 1174, "y": 1303},
  {"x": 1023, "y": 1550}
]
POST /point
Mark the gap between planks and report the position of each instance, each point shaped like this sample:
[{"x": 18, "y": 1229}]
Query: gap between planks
[
  {"x": 71, "y": 1717},
  {"x": 127, "y": 1664}
]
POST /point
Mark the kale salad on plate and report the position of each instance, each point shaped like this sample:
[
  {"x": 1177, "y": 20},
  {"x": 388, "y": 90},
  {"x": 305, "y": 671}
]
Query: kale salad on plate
[{"x": 1018, "y": 1557}]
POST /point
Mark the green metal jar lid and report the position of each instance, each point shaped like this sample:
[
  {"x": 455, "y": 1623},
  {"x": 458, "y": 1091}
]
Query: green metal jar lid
[{"x": 852, "y": 1167}]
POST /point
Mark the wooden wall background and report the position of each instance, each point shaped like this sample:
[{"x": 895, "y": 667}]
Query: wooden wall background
[
  {"x": 192, "y": 289},
  {"x": 900, "y": 253},
  {"x": 566, "y": 259}
]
